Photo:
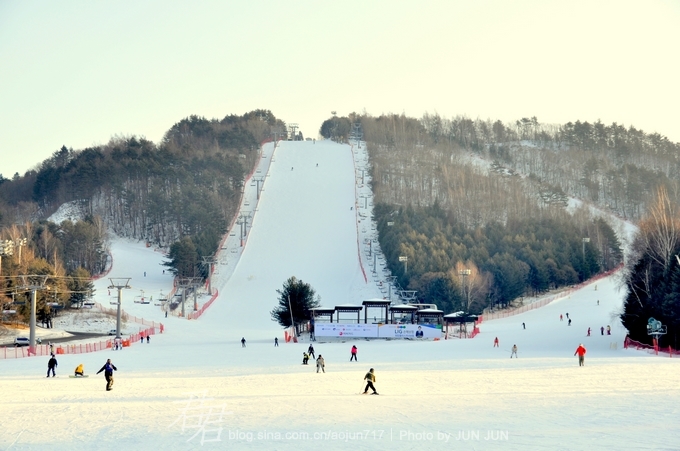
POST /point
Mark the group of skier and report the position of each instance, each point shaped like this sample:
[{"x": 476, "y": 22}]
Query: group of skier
[{"x": 108, "y": 369}]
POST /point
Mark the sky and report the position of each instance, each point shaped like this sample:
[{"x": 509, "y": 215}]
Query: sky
[
  {"x": 432, "y": 393},
  {"x": 77, "y": 73}
]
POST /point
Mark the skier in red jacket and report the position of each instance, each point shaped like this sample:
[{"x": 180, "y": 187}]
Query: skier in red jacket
[{"x": 581, "y": 351}]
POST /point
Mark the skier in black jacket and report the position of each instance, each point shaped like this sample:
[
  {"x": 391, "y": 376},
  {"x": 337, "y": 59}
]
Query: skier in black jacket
[
  {"x": 108, "y": 370},
  {"x": 51, "y": 365}
]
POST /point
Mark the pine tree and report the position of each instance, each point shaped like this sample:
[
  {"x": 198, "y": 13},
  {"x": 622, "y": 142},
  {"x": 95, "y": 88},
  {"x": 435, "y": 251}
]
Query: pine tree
[{"x": 298, "y": 296}]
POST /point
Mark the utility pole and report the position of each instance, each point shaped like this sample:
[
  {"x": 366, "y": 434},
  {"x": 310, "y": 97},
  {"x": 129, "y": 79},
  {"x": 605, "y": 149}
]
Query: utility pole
[{"x": 119, "y": 283}]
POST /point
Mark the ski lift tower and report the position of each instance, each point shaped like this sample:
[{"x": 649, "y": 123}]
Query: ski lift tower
[
  {"x": 655, "y": 329},
  {"x": 292, "y": 136}
]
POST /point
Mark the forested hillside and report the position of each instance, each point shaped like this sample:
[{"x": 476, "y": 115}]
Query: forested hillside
[{"x": 179, "y": 194}]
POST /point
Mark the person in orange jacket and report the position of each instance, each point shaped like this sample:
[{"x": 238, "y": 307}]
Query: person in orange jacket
[{"x": 581, "y": 351}]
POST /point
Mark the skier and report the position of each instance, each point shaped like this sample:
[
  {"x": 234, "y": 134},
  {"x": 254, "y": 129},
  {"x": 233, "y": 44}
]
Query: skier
[
  {"x": 370, "y": 378},
  {"x": 569, "y": 323},
  {"x": 514, "y": 351},
  {"x": 147, "y": 339},
  {"x": 305, "y": 358},
  {"x": 598, "y": 302},
  {"x": 320, "y": 363},
  {"x": 524, "y": 326},
  {"x": 276, "y": 341},
  {"x": 581, "y": 351},
  {"x": 609, "y": 330},
  {"x": 561, "y": 317},
  {"x": 51, "y": 348},
  {"x": 567, "y": 315},
  {"x": 51, "y": 365},
  {"x": 141, "y": 339},
  {"x": 80, "y": 371},
  {"x": 243, "y": 342},
  {"x": 495, "y": 342},
  {"x": 588, "y": 332},
  {"x": 310, "y": 350},
  {"x": 108, "y": 370},
  {"x": 353, "y": 354},
  {"x": 602, "y": 330}
]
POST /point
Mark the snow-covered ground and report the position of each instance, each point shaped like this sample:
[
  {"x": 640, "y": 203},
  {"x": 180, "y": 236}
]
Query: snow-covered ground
[{"x": 195, "y": 387}]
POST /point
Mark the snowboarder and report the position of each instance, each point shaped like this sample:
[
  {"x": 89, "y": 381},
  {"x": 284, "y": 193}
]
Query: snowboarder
[
  {"x": 588, "y": 332},
  {"x": 80, "y": 371},
  {"x": 243, "y": 342},
  {"x": 320, "y": 364},
  {"x": 310, "y": 350},
  {"x": 561, "y": 317},
  {"x": 514, "y": 351},
  {"x": 276, "y": 341},
  {"x": 495, "y": 342},
  {"x": 609, "y": 330},
  {"x": 51, "y": 365},
  {"x": 108, "y": 370},
  {"x": 569, "y": 323},
  {"x": 581, "y": 351},
  {"x": 602, "y": 330},
  {"x": 305, "y": 358},
  {"x": 370, "y": 378}
]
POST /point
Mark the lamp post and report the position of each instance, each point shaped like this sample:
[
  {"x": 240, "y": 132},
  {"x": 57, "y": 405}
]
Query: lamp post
[
  {"x": 119, "y": 283},
  {"x": 583, "y": 245},
  {"x": 7, "y": 249},
  {"x": 464, "y": 273},
  {"x": 404, "y": 259}
]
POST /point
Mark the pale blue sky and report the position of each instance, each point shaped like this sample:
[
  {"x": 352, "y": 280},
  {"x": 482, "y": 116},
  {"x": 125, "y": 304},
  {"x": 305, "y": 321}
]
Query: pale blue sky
[{"x": 76, "y": 73}]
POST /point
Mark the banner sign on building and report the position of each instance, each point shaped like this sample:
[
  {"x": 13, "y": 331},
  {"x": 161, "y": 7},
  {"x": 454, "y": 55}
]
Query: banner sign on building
[
  {"x": 409, "y": 331},
  {"x": 345, "y": 330}
]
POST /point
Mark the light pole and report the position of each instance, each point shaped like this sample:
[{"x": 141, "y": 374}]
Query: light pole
[
  {"x": 466, "y": 293},
  {"x": 7, "y": 249},
  {"x": 583, "y": 245},
  {"x": 119, "y": 283},
  {"x": 404, "y": 259}
]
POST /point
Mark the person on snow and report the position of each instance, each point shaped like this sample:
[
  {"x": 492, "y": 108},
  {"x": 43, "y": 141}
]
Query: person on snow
[
  {"x": 353, "y": 354},
  {"x": 243, "y": 342},
  {"x": 51, "y": 365},
  {"x": 514, "y": 351},
  {"x": 108, "y": 370},
  {"x": 581, "y": 351},
  {"x": 80, "y": 371},
  {"x": 609, "y": 330},
  {"x": 495, "y": 342},
  {"x": 320, "y": 364},
  {"x": 567, "y": 315},
  {"x": 310, "y": 351},
  {"x": 305, "y": 358},
  {"x": 147, "y": 339},
  {"x": 524, "y": 326},
  {"x": 276, "y": 341},
  {"x": 602, "y": 330},
  {"x": 561, "y": 317},
  {"x": 569, "y": 323},
  {"x": 588, "y": 332},
  {"x": 370, "y": 378}
]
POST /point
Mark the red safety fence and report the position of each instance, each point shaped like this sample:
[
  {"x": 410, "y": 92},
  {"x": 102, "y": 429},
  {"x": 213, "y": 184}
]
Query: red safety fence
[
  {"x": 80, "y": 348},
  {"x": 651, "y": 349},
  {"x": 199, "y": 312},
  {"x": 128, "y": 317},
  {"x": 545, "y": 301}
]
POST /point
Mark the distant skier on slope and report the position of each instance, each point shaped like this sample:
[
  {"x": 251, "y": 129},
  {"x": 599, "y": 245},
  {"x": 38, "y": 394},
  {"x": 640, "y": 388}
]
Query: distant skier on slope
[
  {"x": 51, "y": 365},
  {"x": 108, "y": 370},
  {"x": 320, "y": 364},
  {"x": 310, "y": 351},
  {"x": 353, "y": 353},
  {"x": 370, "y": 378},
  {"x": 514, "y": 351},
  {"x": 243, "y": 342},
  {"x": 80, "y": 371},
  {"x": 588, "y": 332},
  {"x": 495, "y": 342},
  {"x": 581, "y": 351}
]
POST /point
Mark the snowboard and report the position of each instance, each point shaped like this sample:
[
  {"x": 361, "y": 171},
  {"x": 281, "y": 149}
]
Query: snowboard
[{"x": 79, "y": 377}]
